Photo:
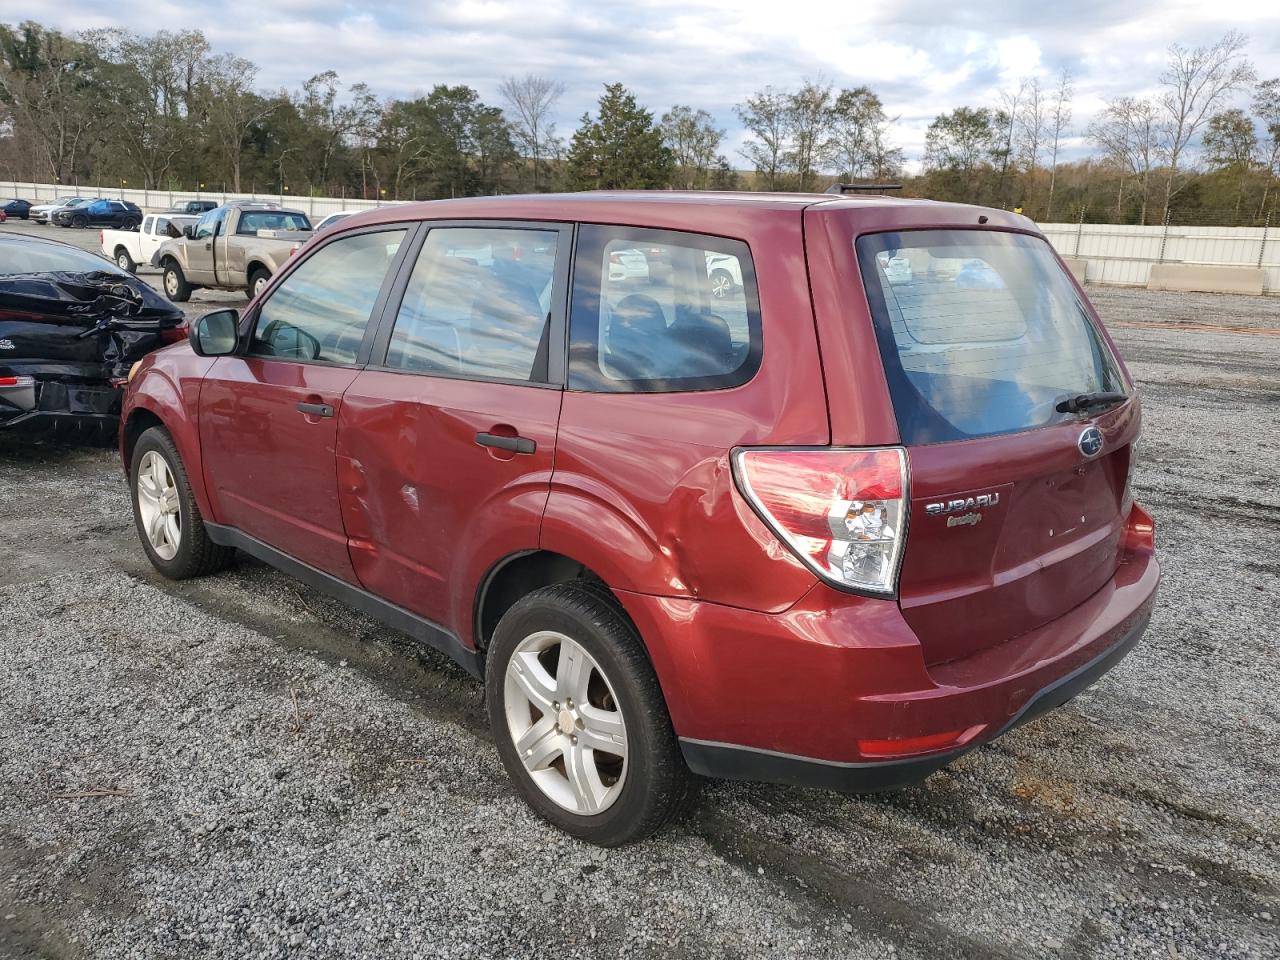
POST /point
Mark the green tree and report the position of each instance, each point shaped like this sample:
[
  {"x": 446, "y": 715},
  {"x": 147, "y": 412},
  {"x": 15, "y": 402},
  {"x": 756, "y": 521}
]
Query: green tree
[
  {"x": 1266, "y": 107},
  {"x": 694, "y": 141},
  {"x": 959, "y": 148},
  {"x": 620, "y": 150},
  {"x": 859, "y": 145},
  {"x": 765, "y": 116},
  {"x": 49, "y": 87},
  {"x": 1231, "y": 146},
  {"x": 809, "y": 119}
]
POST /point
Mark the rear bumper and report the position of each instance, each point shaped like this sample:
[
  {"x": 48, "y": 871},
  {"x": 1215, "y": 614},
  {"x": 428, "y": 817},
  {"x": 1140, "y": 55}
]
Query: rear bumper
[
  {"x": 730, "y": 762},
  {"x": 820, "y": 694},
  {"x": 50, "y": 400}
]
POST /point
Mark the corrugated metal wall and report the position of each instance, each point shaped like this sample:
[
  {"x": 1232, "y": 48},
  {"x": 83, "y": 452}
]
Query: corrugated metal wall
[{"x": 1124, "y": 255}]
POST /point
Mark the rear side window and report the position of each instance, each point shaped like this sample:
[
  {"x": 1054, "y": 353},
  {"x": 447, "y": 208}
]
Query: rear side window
[
  {"x": 980, "y": 332},
  {"x": 320, "y": 310},
  {"x": 478, "y": 305},
  {"x": 661, "y": 311},
  {"x": 251, "y": 221}
]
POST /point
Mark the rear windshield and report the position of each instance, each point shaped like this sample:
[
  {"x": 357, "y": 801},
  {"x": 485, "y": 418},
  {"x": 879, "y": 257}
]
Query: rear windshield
[
  {"x": 981, "y": 332},
  {"x": 253, "y": 221}
]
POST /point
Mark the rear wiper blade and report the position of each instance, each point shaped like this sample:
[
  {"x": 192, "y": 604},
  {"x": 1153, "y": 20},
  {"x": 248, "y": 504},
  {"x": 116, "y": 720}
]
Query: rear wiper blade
[{"x": 1086, "y": 401}]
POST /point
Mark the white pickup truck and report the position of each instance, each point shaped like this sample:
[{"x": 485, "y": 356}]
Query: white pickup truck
[{"x": 128, "y": 248}]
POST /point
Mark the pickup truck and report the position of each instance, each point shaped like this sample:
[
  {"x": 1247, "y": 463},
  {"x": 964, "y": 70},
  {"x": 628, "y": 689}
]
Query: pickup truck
[
  {"x": 239, "y": 246},
  {"x": 128, "y": 248}
]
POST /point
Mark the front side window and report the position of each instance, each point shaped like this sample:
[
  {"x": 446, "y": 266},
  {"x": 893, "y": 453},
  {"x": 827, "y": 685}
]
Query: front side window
[
  {"x": 321, "y": 309},
  {"x": 980, "y": 332},
  {"x": 657, "y": 311},
  {"x": 207, "y": 225},
  {"x": 478, "y": 305}
]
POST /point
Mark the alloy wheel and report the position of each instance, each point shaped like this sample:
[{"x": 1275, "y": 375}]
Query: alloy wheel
[
  {"x": 159, "y": 505},
  {"x": 565, "y": 723},
  {"x": 721, "y": 285}
]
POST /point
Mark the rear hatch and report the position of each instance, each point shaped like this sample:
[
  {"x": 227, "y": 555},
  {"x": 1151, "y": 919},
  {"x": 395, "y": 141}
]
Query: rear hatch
[{"x": 1002, "y": 386}]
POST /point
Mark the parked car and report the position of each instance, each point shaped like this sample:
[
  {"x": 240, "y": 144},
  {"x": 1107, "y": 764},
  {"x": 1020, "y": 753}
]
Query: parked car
[
  {"x": 100, "y": 213},
  {"x": 194, "y": 207},
  {"x": 42, "y": 212},
  {"x": 239, "y": 246},
  {"x": 671, "y": 534},
  {"x": 128, "y": 248},
  {"x": 16, "y": 209},
  {"x": 71, "y": 325},
  {"x": 333, "y": 218}
]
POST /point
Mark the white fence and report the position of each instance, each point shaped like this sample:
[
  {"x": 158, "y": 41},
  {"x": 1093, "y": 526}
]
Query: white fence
[
  {"x": 1123, "y": 255},
  {"x": 152, "y": 200}
]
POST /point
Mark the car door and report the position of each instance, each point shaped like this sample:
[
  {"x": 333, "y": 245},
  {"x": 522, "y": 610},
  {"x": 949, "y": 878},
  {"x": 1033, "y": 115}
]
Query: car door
[
  {"x": 446, "y": 441},
  {"x": 199, "y": 247},
  {"x": 268, "y": 415}
]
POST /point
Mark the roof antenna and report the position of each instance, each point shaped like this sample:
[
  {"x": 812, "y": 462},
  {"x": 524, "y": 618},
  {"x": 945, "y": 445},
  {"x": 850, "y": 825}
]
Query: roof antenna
[{"x": 842, "y": 188}]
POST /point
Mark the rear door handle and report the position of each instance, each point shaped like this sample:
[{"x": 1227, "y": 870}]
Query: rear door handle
[
  {"x": 516, "y": 444},
  {"x": 316, "y": 409}
]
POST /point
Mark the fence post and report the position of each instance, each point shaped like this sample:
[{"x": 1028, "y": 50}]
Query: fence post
[
  {"x": 1164, "y": 236},
  {"x": 1266, "y": 228},
  {"x": 1079, "y": 231}
]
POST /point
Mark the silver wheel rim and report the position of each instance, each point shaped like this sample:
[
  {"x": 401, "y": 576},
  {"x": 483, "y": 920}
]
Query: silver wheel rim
[
  {"x": 565, "y": 723},
  {"x": 258, "y": 285},
  {"x": 171, "y": 281},
  {"x": 122, "y": 261},
  {"x": 158, "y": 505},
  {"x": 720, "y": 287}
]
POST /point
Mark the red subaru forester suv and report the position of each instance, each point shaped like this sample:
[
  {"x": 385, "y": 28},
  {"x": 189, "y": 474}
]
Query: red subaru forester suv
[{"x": 810, "y": 489}]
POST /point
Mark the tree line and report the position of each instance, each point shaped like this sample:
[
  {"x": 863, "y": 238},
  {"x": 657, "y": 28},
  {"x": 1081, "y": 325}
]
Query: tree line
[{"x": 163, "y": 111}]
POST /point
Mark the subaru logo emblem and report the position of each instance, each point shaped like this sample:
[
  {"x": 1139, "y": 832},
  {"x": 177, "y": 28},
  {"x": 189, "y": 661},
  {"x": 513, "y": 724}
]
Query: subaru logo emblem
[{"x": 1090, "y": 442}]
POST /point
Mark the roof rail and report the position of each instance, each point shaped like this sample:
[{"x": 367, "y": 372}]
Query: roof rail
[{"x": 862, "y": 187}]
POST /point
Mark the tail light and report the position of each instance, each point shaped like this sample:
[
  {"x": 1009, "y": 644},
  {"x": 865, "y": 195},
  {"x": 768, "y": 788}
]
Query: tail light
[
  {"x": 17, "y": 381},
  {"x": 842, "y": 511}
]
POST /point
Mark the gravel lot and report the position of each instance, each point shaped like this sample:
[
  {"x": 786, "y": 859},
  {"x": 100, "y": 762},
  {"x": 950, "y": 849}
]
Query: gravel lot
[{"x": 240, "y": 767}]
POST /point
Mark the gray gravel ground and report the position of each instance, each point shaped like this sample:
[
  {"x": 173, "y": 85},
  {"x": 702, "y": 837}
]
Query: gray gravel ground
[{"x": 285, "y": 778}]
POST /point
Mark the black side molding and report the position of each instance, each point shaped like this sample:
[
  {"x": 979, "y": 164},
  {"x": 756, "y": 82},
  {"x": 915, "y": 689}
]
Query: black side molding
[
  {"x": 727, "y": 761},
  {"x": 393, "y": 615}
]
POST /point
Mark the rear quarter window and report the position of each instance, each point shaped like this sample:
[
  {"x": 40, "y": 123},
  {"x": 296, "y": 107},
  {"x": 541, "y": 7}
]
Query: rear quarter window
[{"x": 662, "y": 311}]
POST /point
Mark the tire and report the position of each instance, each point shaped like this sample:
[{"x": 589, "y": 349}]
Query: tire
[
  {"x": 124, "y": 261},
  {"x": 79, "y": 222},
  {"x": 131, "y": 224},
  {"x": 722, "y": 285},
  {"x": 175, "y": 283},
  {"x": 193, "y": 554},
  {"x": 609, "y": 801},
  {"x": 259, "y": 277}
]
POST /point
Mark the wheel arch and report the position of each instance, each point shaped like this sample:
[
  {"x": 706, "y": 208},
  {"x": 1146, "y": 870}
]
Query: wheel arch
[{"x": 519, "y": 574}]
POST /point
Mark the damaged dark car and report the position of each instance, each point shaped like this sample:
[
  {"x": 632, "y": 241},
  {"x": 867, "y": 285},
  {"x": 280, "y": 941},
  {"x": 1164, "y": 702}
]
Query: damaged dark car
[{"x": 72, "y": 324}]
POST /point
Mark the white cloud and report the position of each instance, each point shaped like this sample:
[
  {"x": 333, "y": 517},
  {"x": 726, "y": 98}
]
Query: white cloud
[{"x": 922, "y": 56}]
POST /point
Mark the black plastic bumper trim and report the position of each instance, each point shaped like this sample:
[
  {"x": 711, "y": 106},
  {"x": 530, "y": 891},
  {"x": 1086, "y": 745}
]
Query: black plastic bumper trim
[
  {"x": 391, "y": 614},
  {"x": 729, "y": 761}
]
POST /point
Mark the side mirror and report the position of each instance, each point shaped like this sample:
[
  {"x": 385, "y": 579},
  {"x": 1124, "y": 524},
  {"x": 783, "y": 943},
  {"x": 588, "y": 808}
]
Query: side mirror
[
  {"x": 216, "y": 334},
  {"x": 189, "y": 231}
]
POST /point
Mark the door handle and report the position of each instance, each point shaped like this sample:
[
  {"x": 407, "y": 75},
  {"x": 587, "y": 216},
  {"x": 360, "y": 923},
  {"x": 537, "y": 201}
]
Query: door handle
[
  {"x": 316, "y": 409},
  {"x": 514, "y": 444}
]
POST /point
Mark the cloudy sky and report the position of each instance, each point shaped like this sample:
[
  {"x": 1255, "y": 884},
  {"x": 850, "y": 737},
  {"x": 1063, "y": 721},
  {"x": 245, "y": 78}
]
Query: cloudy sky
[{"x": 922, "y": 56}]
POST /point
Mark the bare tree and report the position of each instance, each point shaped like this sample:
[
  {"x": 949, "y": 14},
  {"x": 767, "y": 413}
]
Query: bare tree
[
  {"x": 1059, "y": 119},
  {"x": 531, "y": 99},
  {"x": 232, "y": 108},
  {"x": 1196, "y": 83},
  {"x": 1127, "y": 131}
]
